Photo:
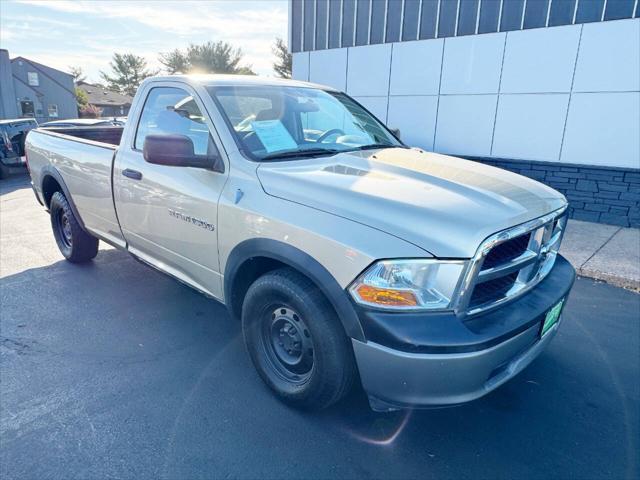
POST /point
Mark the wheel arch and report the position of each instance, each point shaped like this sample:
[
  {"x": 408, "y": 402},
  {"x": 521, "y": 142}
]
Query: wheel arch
[
  {"x": 53, "y": 182},
  {"x": 254, "y": 257}
]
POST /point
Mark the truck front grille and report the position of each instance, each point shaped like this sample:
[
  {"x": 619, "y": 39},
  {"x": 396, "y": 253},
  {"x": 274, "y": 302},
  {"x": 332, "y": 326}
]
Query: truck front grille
[
  {"x": 492, "y": 290},
  {"x": 506, "y": 251},
  {"x": 510, "y": 262}
]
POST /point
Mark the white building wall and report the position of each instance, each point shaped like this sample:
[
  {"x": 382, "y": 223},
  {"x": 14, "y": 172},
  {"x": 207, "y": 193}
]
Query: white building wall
[{"x": 569, "y": 94}]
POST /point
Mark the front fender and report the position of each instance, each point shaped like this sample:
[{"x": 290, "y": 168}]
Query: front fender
[{"x": 302, "y": 262}]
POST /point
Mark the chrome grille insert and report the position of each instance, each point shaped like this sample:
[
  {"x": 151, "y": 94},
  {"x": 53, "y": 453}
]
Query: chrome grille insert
[
  {"x": 507, "y": 251},
  {"x": 511, "y": 262}
]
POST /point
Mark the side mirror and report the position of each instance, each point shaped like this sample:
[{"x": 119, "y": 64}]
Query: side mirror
[
  {"x": 176, "y": 151},
  {"x": 396, "y": 132}
]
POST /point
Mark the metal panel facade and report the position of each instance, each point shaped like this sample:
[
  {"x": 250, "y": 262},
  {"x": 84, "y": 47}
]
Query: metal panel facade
[{"x": 365, "y": 22}]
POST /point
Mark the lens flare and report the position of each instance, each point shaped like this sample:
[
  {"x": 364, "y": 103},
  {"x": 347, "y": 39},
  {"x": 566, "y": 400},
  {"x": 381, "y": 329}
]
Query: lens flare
[{"x": 385, "y": 441}]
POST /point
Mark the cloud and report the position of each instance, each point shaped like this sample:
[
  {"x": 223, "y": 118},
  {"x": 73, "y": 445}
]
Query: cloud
[
  {"x": 6, "y": 34},
  {"x": 88, "y": 33},
  {"x": 42, "y": 20},
  {"x": 187, "y": 17}
]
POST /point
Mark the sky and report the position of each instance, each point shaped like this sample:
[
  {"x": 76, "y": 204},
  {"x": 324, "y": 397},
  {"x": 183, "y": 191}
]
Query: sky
[{"x": 61, "y": 34}]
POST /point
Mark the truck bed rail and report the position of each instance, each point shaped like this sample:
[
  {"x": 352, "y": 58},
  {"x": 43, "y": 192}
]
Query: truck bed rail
[{"x": 108, "y": 135}]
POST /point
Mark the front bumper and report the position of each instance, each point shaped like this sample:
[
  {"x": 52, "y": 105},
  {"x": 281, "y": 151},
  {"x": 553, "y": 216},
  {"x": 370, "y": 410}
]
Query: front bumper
[{"x": 432, "y": 360}]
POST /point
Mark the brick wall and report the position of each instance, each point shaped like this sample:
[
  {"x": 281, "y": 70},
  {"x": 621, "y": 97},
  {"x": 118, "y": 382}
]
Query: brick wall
[{"x": 596, "y": 194}]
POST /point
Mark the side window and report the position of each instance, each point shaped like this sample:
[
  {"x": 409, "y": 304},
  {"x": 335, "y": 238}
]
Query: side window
[{"x": 173, "y": 111}]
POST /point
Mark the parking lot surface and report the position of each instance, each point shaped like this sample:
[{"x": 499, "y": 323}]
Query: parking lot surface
[{"x": 112, "y": 370}]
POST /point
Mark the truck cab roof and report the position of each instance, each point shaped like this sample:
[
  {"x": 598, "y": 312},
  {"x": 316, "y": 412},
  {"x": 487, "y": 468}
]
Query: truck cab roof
[{"x": 236, "y": 80}]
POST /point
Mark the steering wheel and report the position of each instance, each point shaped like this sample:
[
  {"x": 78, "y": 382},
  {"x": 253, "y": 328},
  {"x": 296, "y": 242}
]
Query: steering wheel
[{"x": 328, "y": 133}]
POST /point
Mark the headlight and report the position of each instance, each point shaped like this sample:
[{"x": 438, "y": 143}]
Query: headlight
[{"x": 408, "y": 284}]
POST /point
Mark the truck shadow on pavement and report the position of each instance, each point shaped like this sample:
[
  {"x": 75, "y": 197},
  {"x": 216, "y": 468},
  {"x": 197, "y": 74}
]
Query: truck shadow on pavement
[
  {"x": 138, "y": 367},
  {"x": 14, "y": 182}
]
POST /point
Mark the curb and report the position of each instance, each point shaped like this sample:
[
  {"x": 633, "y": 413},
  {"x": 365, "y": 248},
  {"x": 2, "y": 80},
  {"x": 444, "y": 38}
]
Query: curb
[{"x": 610, "y": 278}]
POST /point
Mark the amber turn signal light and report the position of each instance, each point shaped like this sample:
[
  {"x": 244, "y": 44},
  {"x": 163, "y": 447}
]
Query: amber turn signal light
[{"x": 386, "y": 297}]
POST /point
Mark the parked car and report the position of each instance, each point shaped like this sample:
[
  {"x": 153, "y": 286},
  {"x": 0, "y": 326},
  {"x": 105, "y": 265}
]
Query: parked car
[
  {"x": 12, "y": 138},
  {"x": 345, "y": 254},
  {"x": 84, "y": 122}
]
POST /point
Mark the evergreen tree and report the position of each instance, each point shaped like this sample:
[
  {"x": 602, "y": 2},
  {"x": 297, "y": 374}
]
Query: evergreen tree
[
  {"x": 128, "y": 71},
  {"x": 210, "y": 57},
  {"x": 282, "y": 65}
]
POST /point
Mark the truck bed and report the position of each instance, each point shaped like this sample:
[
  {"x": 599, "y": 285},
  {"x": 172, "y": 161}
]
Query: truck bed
[
  {"x": 108, "y": 135},
  {"x": 83, "y": 157}
]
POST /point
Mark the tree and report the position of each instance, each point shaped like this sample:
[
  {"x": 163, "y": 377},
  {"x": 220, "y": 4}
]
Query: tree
[
  {"x": 81, "y": 97},
  {"x": 129, "y": 71},
  {"x": 78, "y": 74},
  {"x": 90, "y": 111},
  {"x": 174, "y": 62},
  {"x": 282, "y": 65},
  {"x": 210, "y": 57},
  {"x": 82, "y": 100}
]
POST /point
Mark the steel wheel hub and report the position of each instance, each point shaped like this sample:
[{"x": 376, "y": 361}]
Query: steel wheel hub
[
  {"x": 65, "y": 228},
  {"x": 289, "y": 343}
]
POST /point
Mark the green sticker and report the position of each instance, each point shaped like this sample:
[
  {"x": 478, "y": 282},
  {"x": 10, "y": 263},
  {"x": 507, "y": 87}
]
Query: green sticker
[{"x": 552, "y": 317}]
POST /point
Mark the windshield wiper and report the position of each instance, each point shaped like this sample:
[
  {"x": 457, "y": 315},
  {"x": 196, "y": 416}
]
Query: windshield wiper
[
  {"x": 371, "y": 146},
  {"x": 311, "y": 152}
]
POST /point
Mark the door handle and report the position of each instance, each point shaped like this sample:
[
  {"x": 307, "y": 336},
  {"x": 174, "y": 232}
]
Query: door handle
[{"x": 133, "y": 174}]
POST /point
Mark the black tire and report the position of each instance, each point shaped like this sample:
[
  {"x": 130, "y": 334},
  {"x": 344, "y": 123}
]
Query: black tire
[
  {"x": 285, "y": 295},
  {"x": 4, "y": 170},
  {"x": 74, "y": 243}
]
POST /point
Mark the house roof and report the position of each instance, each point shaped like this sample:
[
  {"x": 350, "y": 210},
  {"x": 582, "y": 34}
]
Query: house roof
[
  {"x": 100, "y": 96},
  {"x": 42, "y": 69},
  {"x": 38, "y": 64}
]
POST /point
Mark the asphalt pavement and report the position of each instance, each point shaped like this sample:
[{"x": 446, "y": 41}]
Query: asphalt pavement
[{"x": 113, "y": 370}]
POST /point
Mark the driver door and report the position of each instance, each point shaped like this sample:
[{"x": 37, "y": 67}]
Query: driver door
[{"x": 168, "y": 214}]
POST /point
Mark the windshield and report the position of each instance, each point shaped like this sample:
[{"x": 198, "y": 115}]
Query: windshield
[{"x": 272, "y": 122}]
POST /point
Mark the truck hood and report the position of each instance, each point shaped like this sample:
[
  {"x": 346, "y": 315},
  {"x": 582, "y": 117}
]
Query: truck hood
[{"x": 444, "y": 205}]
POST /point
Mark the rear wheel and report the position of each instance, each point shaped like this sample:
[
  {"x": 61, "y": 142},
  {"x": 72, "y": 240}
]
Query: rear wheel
[
  {"x": 295, "y": 340},
  {"x": 74, "y": 243}
]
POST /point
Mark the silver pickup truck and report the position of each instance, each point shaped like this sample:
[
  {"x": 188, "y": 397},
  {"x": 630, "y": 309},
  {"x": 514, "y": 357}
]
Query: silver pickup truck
[{"x": 348, "y": 256}]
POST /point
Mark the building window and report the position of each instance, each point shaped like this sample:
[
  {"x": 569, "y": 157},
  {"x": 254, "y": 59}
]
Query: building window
[
  {"x": 53, "y": 110},
  {"x": 33, "y": 79},
  {"x": 26, "y": 107}
]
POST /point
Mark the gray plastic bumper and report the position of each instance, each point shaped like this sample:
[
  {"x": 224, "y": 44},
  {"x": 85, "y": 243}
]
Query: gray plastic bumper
[{"x": 395, "y": 379}]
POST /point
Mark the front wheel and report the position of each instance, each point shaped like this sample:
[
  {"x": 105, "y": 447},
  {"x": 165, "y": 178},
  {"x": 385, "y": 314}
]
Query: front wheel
[
  {"x": 74, "y": 243},
  {"x": 295, "y": 340}
]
